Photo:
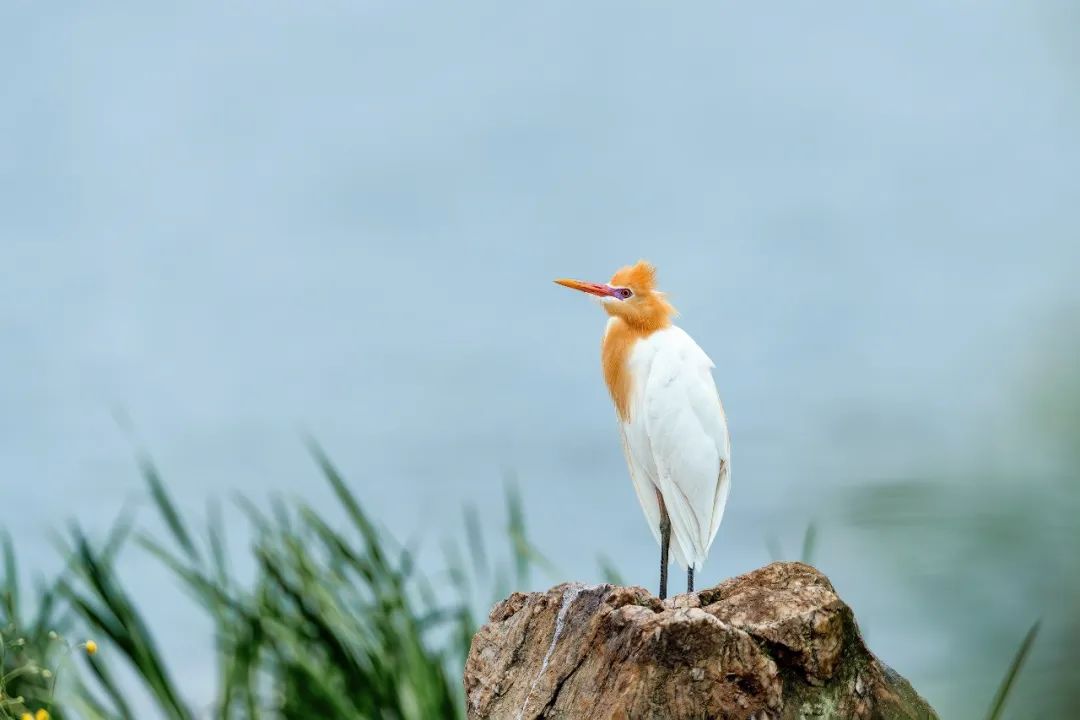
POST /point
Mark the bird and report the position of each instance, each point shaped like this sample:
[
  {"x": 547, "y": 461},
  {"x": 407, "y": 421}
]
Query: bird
[{"x": 671, "y": 421}]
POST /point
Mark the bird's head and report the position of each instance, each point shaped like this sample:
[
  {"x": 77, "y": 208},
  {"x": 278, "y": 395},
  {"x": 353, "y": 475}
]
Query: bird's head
[{"x": 630, "y": 295}]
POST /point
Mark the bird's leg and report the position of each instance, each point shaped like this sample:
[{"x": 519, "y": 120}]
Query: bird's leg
[
  {"x": 665, "y": 544},
  {"x": 690, "y": 579}
]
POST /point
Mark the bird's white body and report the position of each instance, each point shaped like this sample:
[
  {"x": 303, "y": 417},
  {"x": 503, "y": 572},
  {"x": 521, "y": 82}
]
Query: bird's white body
[{"x": 676, "y": 440}]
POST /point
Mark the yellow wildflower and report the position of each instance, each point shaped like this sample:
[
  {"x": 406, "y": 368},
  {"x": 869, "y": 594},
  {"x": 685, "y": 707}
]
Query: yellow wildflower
[
  {"x": 26, "y": 716},
  {"x": 91, "y": 647},
  {"x": 41, "y": 714}
]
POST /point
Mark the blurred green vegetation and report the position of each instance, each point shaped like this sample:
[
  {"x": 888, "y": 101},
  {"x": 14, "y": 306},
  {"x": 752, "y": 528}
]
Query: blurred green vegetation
[
  {"x": 31, "y": 644},
  {"x": 337, "y": 622},
  {"x": 989, "y": 549}
]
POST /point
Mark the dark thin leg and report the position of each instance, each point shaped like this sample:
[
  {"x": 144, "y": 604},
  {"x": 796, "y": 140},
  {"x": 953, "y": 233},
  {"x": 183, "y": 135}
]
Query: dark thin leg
[
  {"x": 690, "y": 579},
  {"x": 665, "y": 544}
]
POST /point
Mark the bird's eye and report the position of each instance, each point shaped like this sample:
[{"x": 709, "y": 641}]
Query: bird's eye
[{"x": 624, "y": 293}]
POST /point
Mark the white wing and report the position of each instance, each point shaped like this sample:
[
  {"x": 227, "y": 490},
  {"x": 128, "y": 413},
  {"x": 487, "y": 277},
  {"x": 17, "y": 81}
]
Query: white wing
[
  {"x": 644, "y": 485},
  {"x": 636, "y": 445},
  {"x": 688, "y": 436}
]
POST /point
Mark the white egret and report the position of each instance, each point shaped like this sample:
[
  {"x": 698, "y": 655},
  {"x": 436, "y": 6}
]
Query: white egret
[{"x": 674, "y": 432}]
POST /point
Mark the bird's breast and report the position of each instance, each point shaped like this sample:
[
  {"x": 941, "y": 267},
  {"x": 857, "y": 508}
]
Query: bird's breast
[{"x": 620, "y": 344}]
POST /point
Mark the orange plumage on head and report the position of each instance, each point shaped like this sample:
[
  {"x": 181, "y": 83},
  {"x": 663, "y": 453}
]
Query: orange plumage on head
[
  {"x": 648, "y": 310},
  {"x": 640, "y": 277}
]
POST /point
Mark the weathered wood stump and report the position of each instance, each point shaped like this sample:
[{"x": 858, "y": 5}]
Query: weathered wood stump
[{"x": 774, "y": 643}]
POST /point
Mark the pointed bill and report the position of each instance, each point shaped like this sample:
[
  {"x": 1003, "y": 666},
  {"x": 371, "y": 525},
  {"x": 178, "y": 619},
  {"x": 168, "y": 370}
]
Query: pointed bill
[{"x": 598, "y": 289}]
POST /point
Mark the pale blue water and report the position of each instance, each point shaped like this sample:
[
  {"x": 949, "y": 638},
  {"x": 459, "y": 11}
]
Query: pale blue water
[{"x": 234, "y": 223}]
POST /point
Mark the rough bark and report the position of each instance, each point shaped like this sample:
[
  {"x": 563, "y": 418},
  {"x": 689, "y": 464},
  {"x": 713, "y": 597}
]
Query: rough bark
[{"x": 775, "y": 643}]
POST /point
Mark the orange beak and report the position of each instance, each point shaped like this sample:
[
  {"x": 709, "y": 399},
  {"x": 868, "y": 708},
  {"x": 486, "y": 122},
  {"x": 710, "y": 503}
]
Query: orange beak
[{"x": 586, "y": 287}]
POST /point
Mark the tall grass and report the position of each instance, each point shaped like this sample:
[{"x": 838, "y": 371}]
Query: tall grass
[{"x": 338, "y": 622}]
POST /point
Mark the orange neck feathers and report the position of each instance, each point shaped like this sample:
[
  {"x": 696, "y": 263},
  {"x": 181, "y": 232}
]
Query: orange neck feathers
[{"x": 642, "y": 315}]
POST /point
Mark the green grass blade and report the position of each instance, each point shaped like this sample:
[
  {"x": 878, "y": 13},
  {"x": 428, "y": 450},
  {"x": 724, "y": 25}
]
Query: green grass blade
[
  {"x": 349, "y": 502},
  {"x": 1009, "y": 681},
  {"x": 609, "y": 572},
  {"x": 475, "y": 536},
  {"x": 809, "y": 543},
  {"x": 11, "y": 579},
  {"x": 112, "y": 690},
  {"x": 167, "y": 508},
  {"x": 516, "y": 529}
]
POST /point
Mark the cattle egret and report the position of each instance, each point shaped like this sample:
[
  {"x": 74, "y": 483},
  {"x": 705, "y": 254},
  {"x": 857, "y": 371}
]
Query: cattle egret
[{"x": 674, "y": 433}]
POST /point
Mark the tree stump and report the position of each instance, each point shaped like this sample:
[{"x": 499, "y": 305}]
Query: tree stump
[{"x": 775, "y": 643}]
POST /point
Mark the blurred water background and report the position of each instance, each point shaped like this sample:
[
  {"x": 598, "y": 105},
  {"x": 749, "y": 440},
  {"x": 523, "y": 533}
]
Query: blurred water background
[{"x": 223, "y": 226}]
